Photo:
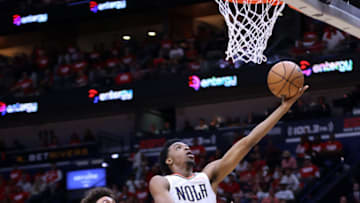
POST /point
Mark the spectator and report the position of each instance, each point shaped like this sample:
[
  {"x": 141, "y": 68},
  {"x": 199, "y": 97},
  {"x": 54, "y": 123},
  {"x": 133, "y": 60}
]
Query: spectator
[
  {"x": 215, "y": 123},
  {"x": 167, "y": 129},
  {"x": 343, "y": 199},
  {"x": 317, "y": 150},
  {"x": 284, "y": 193},
  {"x": 356, "y": 192},
  {"x": 19, "y": 196},
  {"x": 53, "y": 177},
  {"x": 332, "y": 149},
  {"x": 37, "y": 189},
  {"x": 302, "y": 148},
  {"x": 16, "y": 174},
  {"x": 332, "y": 38},
  {"x": 263, "y": 192},
  {"x": 137, "y": 161},
  {"x": 154, "y": 130},
  {"x": 271, "y": 198},
  {"x": 316, "y": 144},
  {"x": 202, "y": 125},
  {"x": 176, "y": 53},
  {"x": 288, "y": 161},
  {"x": 291, "y": 180},
  {"x": 125, "y": 195},
  {"x": 130, "y": 184},
  {"x": 24, "y": 183},
  {"x": 309, "y": 171},
  {"x": 242, "y": 166},
  {"x": 75, "y": 139},
  {"x": 231, "y": 187},
  {"x": 81, "y": 79},
  {"x": 141, "y": 192},
  {"x": 198, "y": 150}
]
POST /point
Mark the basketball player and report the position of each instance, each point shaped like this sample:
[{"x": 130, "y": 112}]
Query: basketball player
[
  {"x": 99, "y": 195},
  {"x": 180, "y": 184}
]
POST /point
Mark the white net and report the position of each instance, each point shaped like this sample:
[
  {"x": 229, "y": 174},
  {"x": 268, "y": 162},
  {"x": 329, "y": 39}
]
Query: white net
[{"x": 250, "y": 25}]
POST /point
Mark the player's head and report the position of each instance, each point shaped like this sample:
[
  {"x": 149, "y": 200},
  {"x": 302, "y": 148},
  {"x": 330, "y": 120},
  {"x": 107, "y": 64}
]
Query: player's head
[
  {"x": 175, "y": 152},
  {"x": 99, "y": 195}
]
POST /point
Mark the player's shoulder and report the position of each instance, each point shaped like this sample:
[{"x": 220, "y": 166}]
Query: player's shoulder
[{"x": 159, "y": 181}]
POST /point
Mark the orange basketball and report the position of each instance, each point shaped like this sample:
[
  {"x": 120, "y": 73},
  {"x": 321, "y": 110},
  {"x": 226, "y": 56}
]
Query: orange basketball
[{"x": 284, "y": 79}]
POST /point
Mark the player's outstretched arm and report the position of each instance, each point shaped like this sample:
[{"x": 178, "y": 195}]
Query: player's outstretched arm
[
  {"x": 219, "y": 169},
  {"x": 159, "y": 189}
]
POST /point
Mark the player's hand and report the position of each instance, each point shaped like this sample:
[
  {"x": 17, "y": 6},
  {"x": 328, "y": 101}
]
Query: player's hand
[{"x": 290, "y": 101}]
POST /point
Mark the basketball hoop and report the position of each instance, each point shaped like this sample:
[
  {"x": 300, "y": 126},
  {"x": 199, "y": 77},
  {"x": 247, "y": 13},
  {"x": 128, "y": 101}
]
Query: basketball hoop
[{"x": 250, "y": 24}]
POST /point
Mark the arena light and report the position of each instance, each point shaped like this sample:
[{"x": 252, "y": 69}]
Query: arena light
[
  {"x": 126, "y": 37},
  {"x": 151, "y": 33},
  {"x": 115, "y": 156},
  {"x": 104, "y": 165}
]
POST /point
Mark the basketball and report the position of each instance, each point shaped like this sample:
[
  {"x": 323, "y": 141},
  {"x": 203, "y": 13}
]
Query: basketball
[{"x": 284, "y": 79}]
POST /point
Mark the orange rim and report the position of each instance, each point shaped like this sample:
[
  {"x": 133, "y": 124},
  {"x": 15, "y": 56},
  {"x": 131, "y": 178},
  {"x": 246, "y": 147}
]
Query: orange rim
[{"x": 276, "y": 2}]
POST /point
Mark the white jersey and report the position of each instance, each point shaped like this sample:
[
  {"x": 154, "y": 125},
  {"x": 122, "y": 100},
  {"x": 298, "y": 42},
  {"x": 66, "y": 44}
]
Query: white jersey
[{"x": 196, "y": 188}]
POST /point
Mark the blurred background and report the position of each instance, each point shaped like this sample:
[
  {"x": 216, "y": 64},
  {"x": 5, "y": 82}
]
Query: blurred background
[{"x": 91, "y": 90}]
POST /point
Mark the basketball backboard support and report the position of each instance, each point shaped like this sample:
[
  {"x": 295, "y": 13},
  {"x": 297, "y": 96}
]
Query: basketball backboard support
[{"x": 339, "y": 13}]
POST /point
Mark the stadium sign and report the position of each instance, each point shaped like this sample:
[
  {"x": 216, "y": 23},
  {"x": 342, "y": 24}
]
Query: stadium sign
[
  {"x": 39, "y": 18},
  {"x": 123, "y": 95},
  {"x": 17, "y": 108},
  {"x": 225, "y": 81},
  {"x": 109, "y": 5},
  {"x": 341, "y": 66}
]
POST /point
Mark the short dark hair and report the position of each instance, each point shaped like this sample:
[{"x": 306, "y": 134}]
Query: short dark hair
[
  {"x": 95, "y": 194},
  {"x": 165, "y": 170}
]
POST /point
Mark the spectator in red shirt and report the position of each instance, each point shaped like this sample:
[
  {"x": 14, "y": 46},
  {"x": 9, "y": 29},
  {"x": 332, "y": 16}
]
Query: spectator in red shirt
[
  {"x": 288, "y": 161},
  {"x": 332, "y": 148},
  {"x": 198, "y": 150},
  {"x": 81, "y": 79},
  {"x": 332, "y": 151},
  {"x": 64, "y": 70},
  {"x": 79, "y": 66},
  {"x": 247, "y": 175},
  {"x": 316, "y": 146},
  {"x": 42, "y": 62},
  {"x": 24, "y": 85},
  {"x": 53, "y": 177},
  {"x": 231, "y": 187},
  {"x": 19, "y": 196},
  {"x": 303, "y": 148},
  {"x": 309, "y": 171},
  {"x": 15, "y": 174},
  {"x": 123, "y": 78},
  {"x": 142, "y": 194}
]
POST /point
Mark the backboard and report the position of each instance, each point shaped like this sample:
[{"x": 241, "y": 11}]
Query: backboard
[{"x": 343, "y": 14}]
